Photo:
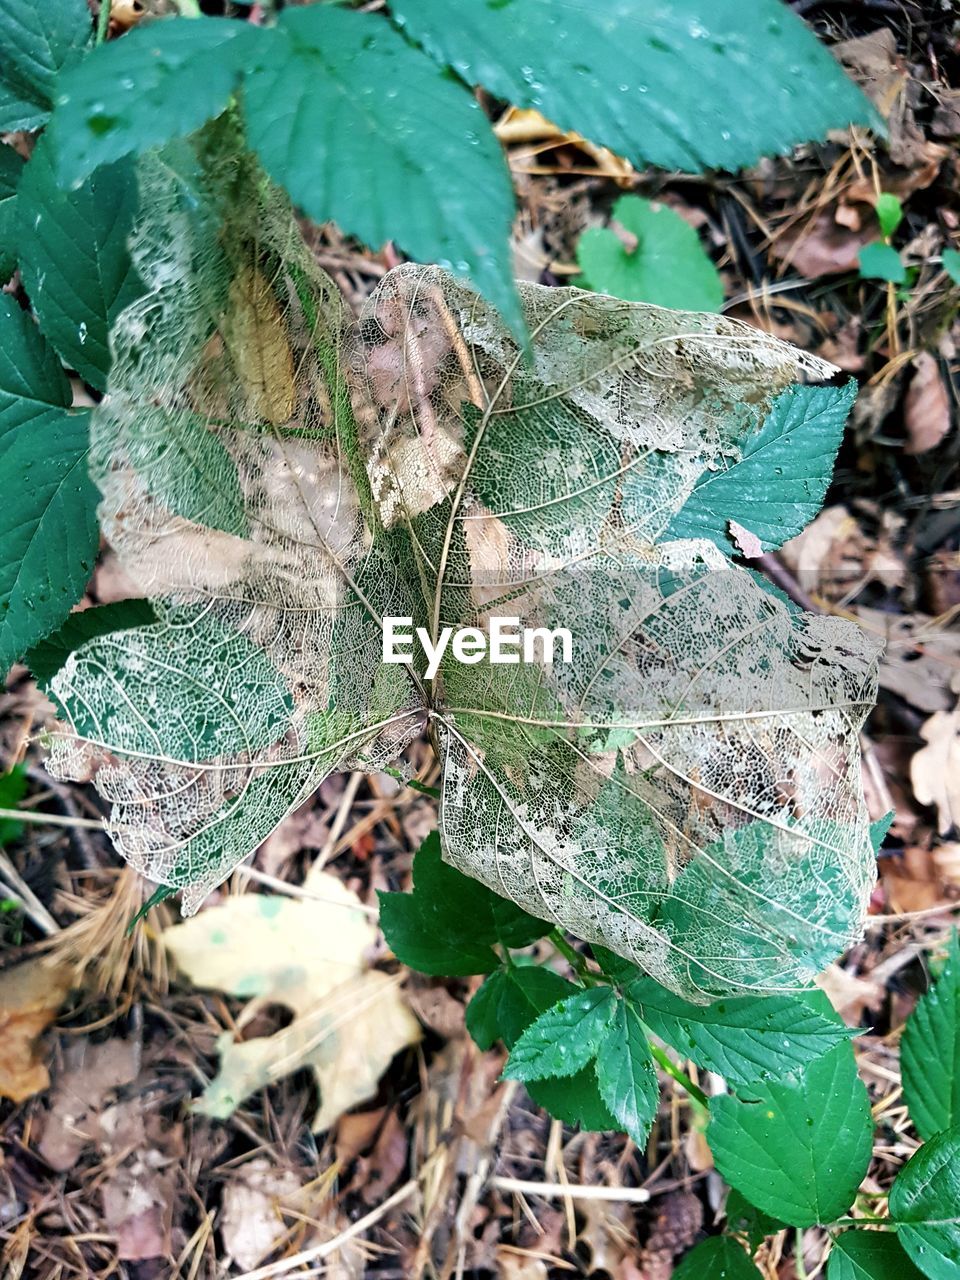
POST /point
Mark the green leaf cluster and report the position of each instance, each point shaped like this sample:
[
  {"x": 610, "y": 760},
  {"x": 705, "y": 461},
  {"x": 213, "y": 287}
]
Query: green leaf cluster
[{"x": 372, "y": 122}]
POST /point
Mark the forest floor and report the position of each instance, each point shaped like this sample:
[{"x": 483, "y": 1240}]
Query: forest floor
[{"x": 108, "y": 1166}]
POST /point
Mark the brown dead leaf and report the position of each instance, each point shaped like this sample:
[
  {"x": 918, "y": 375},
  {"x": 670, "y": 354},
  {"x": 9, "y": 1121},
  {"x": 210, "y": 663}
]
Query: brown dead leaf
[
  {"x": 305, "y": 828},
  {"x": 251, "y": 1217},
  {"x": 946, "y": 858},
  {"x": 926, "y": 407},
  {"x": 30, "y": 995},
  {"x": 850, "y": 995},
  {"x": 912, "y": 880},
  {"x": 142, "y": 1156},
  {"x": 823, "y": 246},
  {"x": 91, "y": 1073},
  {"x": 920, "y": 658},
  {"x": 935, "y": 768},
  {"x": 256, "y": 337}
]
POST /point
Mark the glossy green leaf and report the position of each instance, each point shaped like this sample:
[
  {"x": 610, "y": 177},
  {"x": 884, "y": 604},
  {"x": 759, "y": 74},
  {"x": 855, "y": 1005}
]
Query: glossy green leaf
[
  {"x": 510, "y": 999},
  {"x": 925, "y": 1204},
  {"x": 950, "y": 260},
  {"x": 449, "y": 923},
  {"x": 797, "y": 1151},
  {"x": 13, "y": 787},
  {"x": 161, "y": 81},
  {"x": 38, "y": 40},
  {"x": 745, "y": 1219},
  {"x": 565, "y": 1038},
  {"x": 626, "y": 1075},
  {"x": 717, "y": 1258},
  {"x": 745, "y": 1039},
  {"x": 869, "y": 1255},
  {"x": 360, "y": 127},
  {"x": 889, "y": 212},
  {"x": 74, "y": 258},
  {"x": 688, "y": 85},
  {"x": 880, "y": 261},
  {"x": 574, "y": 1100},
  {"x": 667, "y": 266},
  {"x": 48, "y": 526},
  {"x": 930, "y": 1053},
  {"x": 11, "y": 166},
  {"x": 47, "y": 658},
  {"x": 778, "y": 483}
]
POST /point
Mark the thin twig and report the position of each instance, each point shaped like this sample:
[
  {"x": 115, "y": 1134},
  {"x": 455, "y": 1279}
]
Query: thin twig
[
  {"x": 561, "y": 1190},
  {"x": 331, "y": 1246},
  {"x": 31, "y": 904}
]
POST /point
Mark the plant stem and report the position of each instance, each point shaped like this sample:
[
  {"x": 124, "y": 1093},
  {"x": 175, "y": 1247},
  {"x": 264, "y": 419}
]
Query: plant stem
[
  {"x": 681, "y": 1077},
  {"x": 798, "y": 1263},
  {"x": 103, "y": 21},
  {"x": 572, "y": 957}
]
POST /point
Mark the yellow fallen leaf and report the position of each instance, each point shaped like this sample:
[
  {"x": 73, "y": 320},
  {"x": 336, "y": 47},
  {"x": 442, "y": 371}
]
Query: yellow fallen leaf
[
  {"x": 935, "y": 768},
  {"x": 293, "y": 950},
  {"x": 348, "y": 1039},
  {"x": 309, "y": 955},
  {"x": 30, "y": 995}
]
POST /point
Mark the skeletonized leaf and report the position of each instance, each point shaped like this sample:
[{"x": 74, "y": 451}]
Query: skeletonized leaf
[{"x": 683, "y": 788}]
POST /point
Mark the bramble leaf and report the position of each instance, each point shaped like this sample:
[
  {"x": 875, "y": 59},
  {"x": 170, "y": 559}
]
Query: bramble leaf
[
  {"x": 653, "y": 84},
  {"x": 48, "y": 657},
  {"x": 39, "y": 41},
  {"x": 798, "y": 1150},
  {"x": 563, "y": 1039},
  {"x": 510, "y": 999},
  {"x": 162, "y": 81},
  {"x": 778, "y": 484},
  {"x": 419, "y": 165},
  {"x": 924, "y": 1204},
  {"x": 869, "y": 1255},
  {"x": 745, "y": 1039},
  {"x": 718, "y": 1258},
  {"x": 11, "y": 167},
  {"x": 574, "y": 1100},
  {"x": 930, "y": 1053},
  {"x": 880, "y": 261},
  {"x": 74, "y": 259},
  {"x": 48, "y": 525},
  {"x": 449, "y": 923},
  {"x": 626, "y": 1075},
  {"x": 666, "y": 266}
]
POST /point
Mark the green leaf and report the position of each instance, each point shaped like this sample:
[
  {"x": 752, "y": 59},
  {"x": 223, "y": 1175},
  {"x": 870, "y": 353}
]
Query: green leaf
[
  {"x": 744, "y": 1039},
  {"x": 718, "y": 1258},
  {"x": 11, "y": 166},
  {"x": 950, "y": 260},
  {"x": 652, "y": 83},
  {"x": 889, "y": 212},
  {"x": 38, "y": 40},
  {"x": 13, "y": 787},
  {"x": 747, "y": 1220},
  {"x": 47, "y": 658},
  {"x": 161, "y": 81},
  {"x": 448, "y": 924},
  {"x": 510, "y": 999},
  {"x": 879, "y": 261},
  {"x": 925, "y": 1204},
  {"x": 74, "y": 259},
  {"x": 797, "y": 1151},
  {"x": 930, "y": 1052},
  {"x": 668, "y": 265},
  {"x": 360, "y": 127},
  {"x": 564, "y": 1038},
  {"x": 869, "y": 1255},
  {"x": 626, "y": 1075},
  {"x": 574, "y": 1100},
  {"x": 778, "y": 483},
  {"x": 48, "y": 524}
]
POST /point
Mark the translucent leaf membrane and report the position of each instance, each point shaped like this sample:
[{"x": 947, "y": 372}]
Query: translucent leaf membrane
[
  {"x": 225, "y": 453},
  {"x": 684, "y": 790}
]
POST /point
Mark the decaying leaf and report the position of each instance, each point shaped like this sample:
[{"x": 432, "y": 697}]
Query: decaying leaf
[
  {"x": 935, "y": 768},
  {"x": 30, "y": 995},
  {"x": 686, "y": 790},
  {"x": 306, "y": 953},
  {"x": 926, "y": 408},
  {"x": 251, "y": 1219}
]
